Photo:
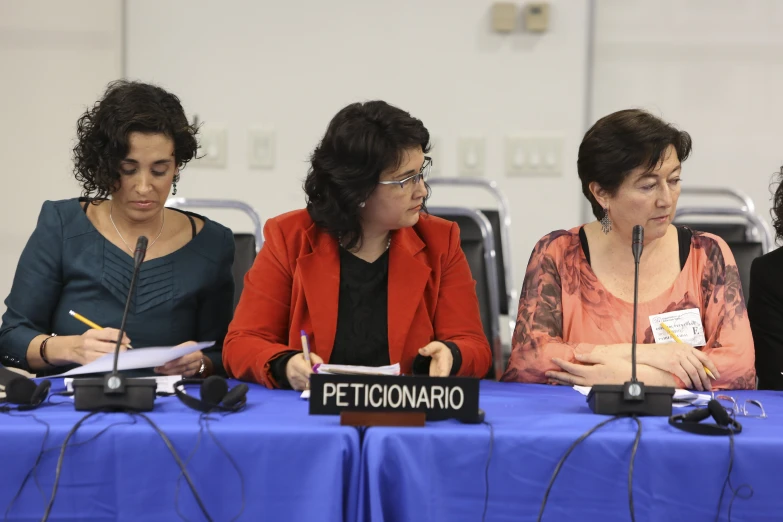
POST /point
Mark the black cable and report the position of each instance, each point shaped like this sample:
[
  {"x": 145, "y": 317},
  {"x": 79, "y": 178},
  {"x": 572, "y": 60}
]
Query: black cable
[
  {"x": 734, "y": 492},
  {"x": 179, "y": 477},
  {"x": 60, "y": 464},
  {"x": 563, "y": 459},
  {"x": 486, "y": 470},
  {"x": 630, "y": 466},
  {"x": 231, "y": 460},
  {"x": 37, "y": 461},
  {"x": 179, "y": 462}
]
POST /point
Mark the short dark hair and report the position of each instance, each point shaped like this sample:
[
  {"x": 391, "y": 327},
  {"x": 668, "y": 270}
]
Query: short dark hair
[
  {"x": 103, "y": 131},
  {"x": 777, "y": 207},
  {"x": 362, "y": 141},
  {"x": 621, "y": 142}
]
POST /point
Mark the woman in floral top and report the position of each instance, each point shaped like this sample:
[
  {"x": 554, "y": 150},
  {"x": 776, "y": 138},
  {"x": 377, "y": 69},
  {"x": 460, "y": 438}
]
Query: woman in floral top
[{"x": 575, "y": 316}]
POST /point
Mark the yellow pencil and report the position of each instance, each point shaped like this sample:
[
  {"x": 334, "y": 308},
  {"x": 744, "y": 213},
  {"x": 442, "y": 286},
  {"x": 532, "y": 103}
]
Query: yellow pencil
[
  {"x": 86, "y": 321},
  {"x": 677, "y": 340}
]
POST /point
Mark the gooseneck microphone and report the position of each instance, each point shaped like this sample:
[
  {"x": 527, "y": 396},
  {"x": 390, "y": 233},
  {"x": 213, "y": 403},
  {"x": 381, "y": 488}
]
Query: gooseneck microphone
[
  {"x": 633, "y": 397},
  {"x": 114, "y": 391},
  {"x": 637, "y": 244}
]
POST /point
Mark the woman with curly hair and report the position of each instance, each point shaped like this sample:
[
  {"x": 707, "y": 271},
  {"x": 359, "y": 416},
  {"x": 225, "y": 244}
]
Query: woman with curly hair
[
  {"x": 765, "y": 304},
  {"x": 132, "y": 146},
  {"x": 575, "y": 316},
  {"x": 364, "y": 271}
]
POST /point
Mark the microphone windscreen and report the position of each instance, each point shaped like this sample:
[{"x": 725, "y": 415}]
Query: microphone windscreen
[{"x": 20, "y": 390}]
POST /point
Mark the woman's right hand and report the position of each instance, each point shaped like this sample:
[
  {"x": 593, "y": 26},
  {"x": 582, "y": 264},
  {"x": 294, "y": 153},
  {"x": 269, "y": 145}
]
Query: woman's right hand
[
  {"x": 681, "y": 360},
  {"x": 298, "y": 372},
  {"x": 97, "y": 343}
]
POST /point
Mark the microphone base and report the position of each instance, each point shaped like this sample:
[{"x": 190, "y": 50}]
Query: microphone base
[
  {"x": 113, "y": 392},
  {"x": 624, "y": 399}
]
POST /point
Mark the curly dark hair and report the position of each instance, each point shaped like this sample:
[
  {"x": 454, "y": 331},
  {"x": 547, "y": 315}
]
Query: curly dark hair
[
  {"x": 103, "y": 132},
  {"x": 777, "y": 207},
  {"x": 362, "y": 141},
  {"x": 621, "y": 142}
]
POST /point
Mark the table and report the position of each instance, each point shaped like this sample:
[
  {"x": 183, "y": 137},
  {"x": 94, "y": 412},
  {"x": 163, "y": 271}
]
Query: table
[
  {"x": 437, "y": 473},
  {"x": 295, "y": 467}
]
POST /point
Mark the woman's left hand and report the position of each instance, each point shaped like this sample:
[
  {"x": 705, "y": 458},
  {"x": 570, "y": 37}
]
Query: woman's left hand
[
  {"x": 591, "y": 369},
  {"x": 187, "y": 365},
  {"x": 442, "y": 360}
]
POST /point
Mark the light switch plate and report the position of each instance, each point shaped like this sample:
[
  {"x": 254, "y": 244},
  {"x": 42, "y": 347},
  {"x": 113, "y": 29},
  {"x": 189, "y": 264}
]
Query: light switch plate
[
  {"x": 534, "y": 155},
  {"x": 212, "y": 151},
  {"x": 537, "y": 17},
  {"x": 470, "y": 157},
  {"x": 261, "y": 148}
]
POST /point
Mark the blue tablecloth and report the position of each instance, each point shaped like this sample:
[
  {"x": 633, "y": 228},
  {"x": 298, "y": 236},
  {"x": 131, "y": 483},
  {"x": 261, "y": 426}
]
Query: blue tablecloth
[
  {"x": 436, "y": 473},
  {"x": 295, "y": 467}
]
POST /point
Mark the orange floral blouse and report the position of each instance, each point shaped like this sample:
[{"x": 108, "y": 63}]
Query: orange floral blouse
[{"x": 564, "y": 309}]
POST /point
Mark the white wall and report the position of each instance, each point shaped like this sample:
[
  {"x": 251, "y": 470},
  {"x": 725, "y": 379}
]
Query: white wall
[
  {"x": 293, "y": 65},
  {"x": 714, "y": 68},
  {"x": 56, "y": 57}
]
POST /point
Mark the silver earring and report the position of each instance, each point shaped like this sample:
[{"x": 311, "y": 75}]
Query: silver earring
[
  {"x": 606, "y": 222},
  {"x": 362, "y": 204},
  {"x": 174, "y": 185}
]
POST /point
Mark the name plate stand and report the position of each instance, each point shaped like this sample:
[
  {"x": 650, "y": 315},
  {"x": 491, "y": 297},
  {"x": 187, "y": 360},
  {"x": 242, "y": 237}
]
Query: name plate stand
[
  {"x": 386, "y": 400},
  {"x": 383, "y": 418}
]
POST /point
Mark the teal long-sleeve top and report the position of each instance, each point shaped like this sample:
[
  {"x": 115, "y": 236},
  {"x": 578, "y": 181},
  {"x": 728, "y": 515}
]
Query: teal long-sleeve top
[{"x": 68, "y": 265}]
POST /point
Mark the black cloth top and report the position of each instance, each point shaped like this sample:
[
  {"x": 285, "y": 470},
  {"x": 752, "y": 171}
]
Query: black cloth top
[
  {"x": 362, "y": 336},
  {"x": 684, "y": 235},
  {"x": 765, "y": 311}
]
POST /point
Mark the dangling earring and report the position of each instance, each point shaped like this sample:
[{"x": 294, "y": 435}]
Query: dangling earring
[
  {"x": 174, "y": 185},
  {"x": 362, "y": 204},
  {"x": 606, "y": 222}
]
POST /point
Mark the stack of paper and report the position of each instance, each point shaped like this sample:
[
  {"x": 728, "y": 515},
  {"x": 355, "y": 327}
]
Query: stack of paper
[
  {"x": 681, "y": 397},
  {"x": 346, "y": 369}
]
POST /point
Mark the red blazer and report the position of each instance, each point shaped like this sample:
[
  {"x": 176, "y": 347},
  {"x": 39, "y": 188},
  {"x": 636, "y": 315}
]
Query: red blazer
[{"x": 294, "y": 285}]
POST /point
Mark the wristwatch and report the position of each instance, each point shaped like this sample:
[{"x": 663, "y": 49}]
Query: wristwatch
[{"x": 202, "y": 369}]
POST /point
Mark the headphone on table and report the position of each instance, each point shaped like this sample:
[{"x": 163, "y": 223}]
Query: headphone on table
[
  {"x": 691, "y": 422},
  {"x": 215, "y": 395},
  {"x": 23, "y": 391}
]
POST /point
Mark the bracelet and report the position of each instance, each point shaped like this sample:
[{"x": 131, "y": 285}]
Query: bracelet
[{"x": 42, "y": 351}]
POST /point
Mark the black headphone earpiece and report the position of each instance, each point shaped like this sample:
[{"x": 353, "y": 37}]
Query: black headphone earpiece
[
  {"x": 214, "y": 396},
  {"x": 24, "y": 392},
  {"x": 691, "y": 422}
]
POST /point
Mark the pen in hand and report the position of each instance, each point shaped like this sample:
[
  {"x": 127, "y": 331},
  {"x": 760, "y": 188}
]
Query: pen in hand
[
  {"x": 677, "y": 340},
  {"x": 86, "y": 321},
  {"x": 305, "y": 348}
]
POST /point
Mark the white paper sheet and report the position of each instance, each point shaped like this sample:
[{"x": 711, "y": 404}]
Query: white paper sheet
[{"x": 138, "y": 358}]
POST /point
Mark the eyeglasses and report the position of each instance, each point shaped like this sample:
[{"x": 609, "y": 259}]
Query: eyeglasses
[
  {"x": 423, "y": 174},
  {"x": 734, "y": 409}
]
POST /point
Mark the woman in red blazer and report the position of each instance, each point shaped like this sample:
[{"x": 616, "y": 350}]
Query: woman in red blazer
[{"x": 368, "y": 275}]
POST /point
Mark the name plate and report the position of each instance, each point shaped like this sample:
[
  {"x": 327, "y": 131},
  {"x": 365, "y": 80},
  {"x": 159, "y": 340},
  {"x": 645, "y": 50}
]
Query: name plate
[{"x": 438, "y": 397}]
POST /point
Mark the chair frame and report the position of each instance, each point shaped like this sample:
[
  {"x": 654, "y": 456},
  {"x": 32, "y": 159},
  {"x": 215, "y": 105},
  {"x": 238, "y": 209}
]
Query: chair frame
[
  {"x": 490, "y": 261},
  {"x": 258, "y": 231},
  {"x": 505, "y": 234}
]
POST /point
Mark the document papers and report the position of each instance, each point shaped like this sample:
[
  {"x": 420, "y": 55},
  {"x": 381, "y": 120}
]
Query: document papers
[{"x": 138, "y": 358}]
